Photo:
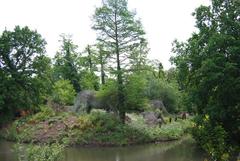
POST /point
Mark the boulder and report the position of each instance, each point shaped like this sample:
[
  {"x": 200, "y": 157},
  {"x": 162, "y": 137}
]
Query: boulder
[
  {"x": 158, "y": 104},
  {"x": 151, "y": 118}
]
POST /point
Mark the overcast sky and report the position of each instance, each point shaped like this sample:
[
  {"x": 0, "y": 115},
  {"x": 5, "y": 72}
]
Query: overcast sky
[{"x": 163, "y": 21}]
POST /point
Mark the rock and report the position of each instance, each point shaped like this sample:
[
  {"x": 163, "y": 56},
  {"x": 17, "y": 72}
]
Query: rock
[
  {"x": 151, "y": 118},
  {"x": 158, "y": 104}
]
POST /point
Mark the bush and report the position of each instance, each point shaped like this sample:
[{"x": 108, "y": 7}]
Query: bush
[
  {"x": 134, "y": 94},
  {"x": 211, "y": 137},
  {"x": 63, "y": 92},
  {"x": 48, "y": 152},
  {"x": 44, "y": 114},
  {"x": 23, "y": 87},
  {"x": 107, "y": 95},
  {"x": 5, "y": 116},
  {"x": 168, "y": 93},
  {"x": 98, "y": 122},
  {"x": 89, "y": 81},
  {"x": 99, "y": 128},
  {"x": 135, "y": 99},
  {"x": 96, "y": 128}
]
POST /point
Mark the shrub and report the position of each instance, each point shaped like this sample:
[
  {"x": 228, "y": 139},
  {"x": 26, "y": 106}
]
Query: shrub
[
  {"x": 135, "y": 99},
  {"x": 63, "y": 92},
  {"x": 48, "y": 152},
  {"x": 211, "y": 137},
  {"x": 168, "y": 93},
  {"x": 134, "y": 94},
  {"x": 44, "y": 114},
  {"x": 107, "y": 95},
  {"x": 89, "y": 81}
]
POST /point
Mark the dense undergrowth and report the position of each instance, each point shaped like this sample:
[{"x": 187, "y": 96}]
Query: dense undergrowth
[{"x": 97, "y": 128}]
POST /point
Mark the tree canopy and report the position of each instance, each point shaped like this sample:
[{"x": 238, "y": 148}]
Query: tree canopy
[
  {"x": 66, "y": 63},
  {"x": 208, "y": 65},
  {"x": 22, "y": 67},
  {"x": 118, "y": 29}
]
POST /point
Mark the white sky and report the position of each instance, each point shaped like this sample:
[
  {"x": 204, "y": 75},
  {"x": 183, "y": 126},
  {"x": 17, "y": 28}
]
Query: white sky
[{"x": 163, "y": 21}]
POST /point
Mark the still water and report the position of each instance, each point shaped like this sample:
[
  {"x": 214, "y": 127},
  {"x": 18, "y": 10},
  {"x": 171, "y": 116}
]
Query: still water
[{"x": 182, "y": 150}]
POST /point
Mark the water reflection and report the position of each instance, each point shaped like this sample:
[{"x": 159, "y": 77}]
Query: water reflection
[
  {"x": 183, "y": 150},
  {"x": 6, "y": 152}
]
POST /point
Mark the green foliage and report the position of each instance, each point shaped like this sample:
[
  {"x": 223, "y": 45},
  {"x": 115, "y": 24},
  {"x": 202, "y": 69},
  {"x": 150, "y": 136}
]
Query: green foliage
[
  {"x": 208, "y": 65},
  {"x": 11, "y": 132},
  {"x": 47, "y": 152},
  {"x": 212, "y": 138},
  {"x": 63, "y": 92},
  {"x": 22, "y": 76},
  {"x": 6, "y": 116},
  {"x": 66, "y": 63},
  {"x": 134, "y": 94},
  {"x": 89, "y": 66},
  {"x": 156, "y": 68},
  {"x": 96, "y": 128},
  {"x": 168, "y": 93},
  {"x": 171, "y": 75},
  {"x": 44, "y": 114},
  {"x": 138, "y": 89},
  {"x": 138, "y": 57},
  {"x": 99, "y": 128},
  {"x": 185, "y": 103},
  {"x": 105, "y": 129},
  {"x": 89, "y": 81},
  {"x": 107, "y": 95},
  {"x": 44, "y": 79},
  {"x": 134, "y": 89},
  {"x": 23, "y": 129},
  {"x": 118, "y": 28},
  {"x": 102, "y": 56},
  {"x": 167, "y": 132}
]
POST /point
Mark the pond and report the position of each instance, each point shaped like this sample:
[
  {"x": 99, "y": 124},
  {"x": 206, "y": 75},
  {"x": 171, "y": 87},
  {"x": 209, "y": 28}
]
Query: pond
[{"x": 182, "y": 150}]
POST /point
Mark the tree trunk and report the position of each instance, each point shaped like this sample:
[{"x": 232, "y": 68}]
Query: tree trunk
[
  {"x": 121, "y": 100},
  {"x": 102, "y": 73},
  {"x": 72, "y": 73},
  {"x": 90, "y": 59},
  {"x": 102, "y": 68}
]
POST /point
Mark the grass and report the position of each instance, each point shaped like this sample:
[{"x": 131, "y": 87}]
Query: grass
[
  {"x": 96, "y": 129},
  {"x": 169, "y": 131},
  {"x": 45, "y": 152}
]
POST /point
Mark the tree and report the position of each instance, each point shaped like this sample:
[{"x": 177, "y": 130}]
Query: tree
[
  {"x": 135, "y": 96},
  {"x": 156, "y": 68},
  {"x": 121, "y": 32},
  {"x": 102, "y": 57},
  {"x": 66, "y": 64},
  {"x": 43, "y": 79},
  {"x": 88, "y": 65},
  {"x": 171, "y": 75},
  {"x": 107, "y": 95},
  {"x": 209, "y": 68},
  {"x": 138, "y": 58},
  {"x": 159, "y": 89},
  {"x": 63, "y": 92},
  {"x": 21, "y": 52},
  {"x": 88, "y": 59}
]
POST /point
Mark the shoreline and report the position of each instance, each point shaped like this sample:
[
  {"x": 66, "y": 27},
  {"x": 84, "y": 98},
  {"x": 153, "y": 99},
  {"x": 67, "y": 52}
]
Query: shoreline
[
  {"x": 92, "y": 130},
  {"x": 183, "y": 138}
]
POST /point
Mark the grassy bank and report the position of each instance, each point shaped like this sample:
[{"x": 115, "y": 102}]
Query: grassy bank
[{"x": 95, "y": 129}]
